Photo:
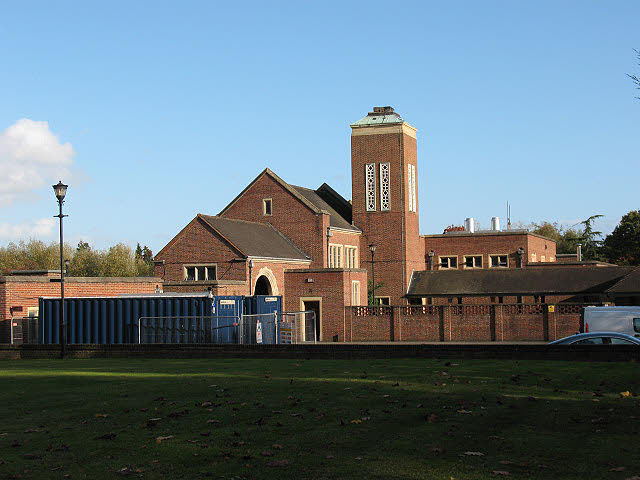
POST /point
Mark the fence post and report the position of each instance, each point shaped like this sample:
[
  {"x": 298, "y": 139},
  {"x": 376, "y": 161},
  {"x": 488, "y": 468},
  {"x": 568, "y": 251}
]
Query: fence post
[
  {"x": 275, "y": 326},
  {"x": 392, "y": 329},
  {"x": 139, "y": 330}
]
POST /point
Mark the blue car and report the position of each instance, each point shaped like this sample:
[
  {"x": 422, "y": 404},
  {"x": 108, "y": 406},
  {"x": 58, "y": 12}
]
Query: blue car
[{"x": 598, "y": 338}]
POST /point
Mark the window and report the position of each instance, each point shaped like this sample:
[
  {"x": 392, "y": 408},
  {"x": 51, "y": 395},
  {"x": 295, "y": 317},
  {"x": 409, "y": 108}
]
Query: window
[
  {"x": 542, "y": 259},
  {"x": 448, "y": 262},
  {"x": 473, "y": 261},
  {"x": 552, "y": 259},
  {"x": 355, "y": 293},
  {"x": 350, "y": 257},
  {"x": 411, "y": 187},
  {"x": 194, "y": 273},
  {"x": 499, "y": 261},
  {"x": 534, "y": 257},
  {"x": 370, "y": 186},
  {"x": 335, "y": 256},
  {"x": 383, "y": 301},
  {"x": 385, "y": 187},
  {"x": 266, "y": 207}
]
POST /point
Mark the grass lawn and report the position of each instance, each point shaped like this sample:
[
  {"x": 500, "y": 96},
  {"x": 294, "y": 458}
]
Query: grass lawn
[{"x": 315, "y": 419}]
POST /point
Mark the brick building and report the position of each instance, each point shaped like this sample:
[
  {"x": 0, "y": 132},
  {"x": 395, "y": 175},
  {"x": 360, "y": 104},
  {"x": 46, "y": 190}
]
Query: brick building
[
  {"x": 313, "y": 246},
  {"x": 19, "y": 292}
]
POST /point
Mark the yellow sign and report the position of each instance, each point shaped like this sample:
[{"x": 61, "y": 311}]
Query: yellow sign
[{"x": 552, "y": 308}]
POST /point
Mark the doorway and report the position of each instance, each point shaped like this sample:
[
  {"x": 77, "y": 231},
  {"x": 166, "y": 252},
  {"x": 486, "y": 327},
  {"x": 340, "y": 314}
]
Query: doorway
[
  {"x": 312, "y": 325},
  {"x": 263, "y": 286}
]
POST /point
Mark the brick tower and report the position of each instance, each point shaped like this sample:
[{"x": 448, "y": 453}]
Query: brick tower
[{"x": 384, "y": 182}]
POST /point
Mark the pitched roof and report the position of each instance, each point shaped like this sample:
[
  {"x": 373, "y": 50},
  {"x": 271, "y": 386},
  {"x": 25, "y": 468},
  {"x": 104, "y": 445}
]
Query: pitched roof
[
  {"x": 335, "y": 219},
  {"x": 318, "y": 201},
  {"x": 629, "y": 284},
  {"x": 255, "y": 239},
  {"x": 516, "y": 281}
]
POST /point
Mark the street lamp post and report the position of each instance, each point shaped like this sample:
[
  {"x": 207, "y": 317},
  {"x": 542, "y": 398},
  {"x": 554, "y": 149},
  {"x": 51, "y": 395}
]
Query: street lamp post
[
  {"x": 250, "y": 278},
  {"x": 372, "y": 248},
  {"x": 60, "y": 190}
]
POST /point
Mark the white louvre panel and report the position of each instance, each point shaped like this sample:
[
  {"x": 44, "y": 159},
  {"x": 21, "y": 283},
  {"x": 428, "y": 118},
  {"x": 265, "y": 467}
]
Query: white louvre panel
[
  {"x": 370, "y": 180},
  {"x": 413, "y": 188},
  {"x": 409, "y": 187},
  {"x": 385, "y": 187}
]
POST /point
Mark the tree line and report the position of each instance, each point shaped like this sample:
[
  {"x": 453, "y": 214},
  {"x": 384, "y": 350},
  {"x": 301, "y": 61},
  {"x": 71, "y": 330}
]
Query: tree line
[
  {"x": 84, "y": 261},
  {"x": 622, "y": 246}
]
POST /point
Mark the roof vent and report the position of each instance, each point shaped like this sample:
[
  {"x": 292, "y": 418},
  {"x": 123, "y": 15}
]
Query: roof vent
[
  {"x": 469, "y": 225},
  {"x": 495, "y": 224},
  {"x": 381, "y": 111}
]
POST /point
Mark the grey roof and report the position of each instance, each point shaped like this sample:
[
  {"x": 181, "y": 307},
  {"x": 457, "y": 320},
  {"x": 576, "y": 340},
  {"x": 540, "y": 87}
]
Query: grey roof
[
  {"x": 335, "y": 219},
  {"x": 255, "y": 239},
  {"x": 379, "y": 116},
  {"x": 516, "y": 281},
  {"x": 629, "y": 284}
]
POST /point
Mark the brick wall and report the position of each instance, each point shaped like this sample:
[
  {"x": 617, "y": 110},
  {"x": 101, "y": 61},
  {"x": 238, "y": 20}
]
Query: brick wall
[
  {"x": 289, "y": 215},
  {"x": 197, "y": 243},
  {"x": 488, "y": 244},
  {"x": 463, "y": 323},
  {"x": 333, "y": 287}
]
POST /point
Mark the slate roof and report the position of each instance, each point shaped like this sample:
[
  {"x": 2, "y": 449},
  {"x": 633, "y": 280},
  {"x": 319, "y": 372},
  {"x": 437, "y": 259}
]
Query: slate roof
[
  {"x": 629, "y": 284},
  {"x": 335, "y": 219},
  {"x": 516, "y": 281},
  {"x": 255, "y": 239}
]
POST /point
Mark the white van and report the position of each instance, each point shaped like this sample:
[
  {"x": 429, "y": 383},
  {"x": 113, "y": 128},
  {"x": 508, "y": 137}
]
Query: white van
[{"x": 612, "y": 319}]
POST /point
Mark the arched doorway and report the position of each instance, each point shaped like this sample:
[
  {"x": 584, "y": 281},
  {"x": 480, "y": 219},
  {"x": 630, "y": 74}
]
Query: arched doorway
[{"x": 263, "y": 286}]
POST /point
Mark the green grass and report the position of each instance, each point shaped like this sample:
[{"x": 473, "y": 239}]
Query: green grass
[{"x": 315, "y": 419}]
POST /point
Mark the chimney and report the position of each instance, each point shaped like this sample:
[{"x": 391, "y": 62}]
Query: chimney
[
  {"x": 579, "y": 252},
  {"x": 469, "y": 225},
  {"x": 495, "y": 224},
  {"x": 430, "y": 256}
]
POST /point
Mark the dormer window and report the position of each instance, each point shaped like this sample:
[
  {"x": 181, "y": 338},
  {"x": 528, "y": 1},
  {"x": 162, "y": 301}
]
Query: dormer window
[{"x": 266, "y": 207}]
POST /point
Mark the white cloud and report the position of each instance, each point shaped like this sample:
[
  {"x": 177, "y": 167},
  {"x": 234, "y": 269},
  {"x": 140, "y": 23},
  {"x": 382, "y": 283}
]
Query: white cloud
[
  {"x": 35, "y": 229},
  {"x": 31, "y": 156}
]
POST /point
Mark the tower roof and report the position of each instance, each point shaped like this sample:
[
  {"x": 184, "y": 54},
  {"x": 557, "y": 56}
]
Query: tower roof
[{"x": 380, "y": 116}]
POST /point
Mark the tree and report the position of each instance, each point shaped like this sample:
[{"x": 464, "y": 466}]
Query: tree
[
  {"x": 566, "y": 240},
  {"x": 590, "y": 239},
  {"x": 144, "y": 261},
  {"x": 634, "y": 78},
  {"x": 622, "y": 246}
]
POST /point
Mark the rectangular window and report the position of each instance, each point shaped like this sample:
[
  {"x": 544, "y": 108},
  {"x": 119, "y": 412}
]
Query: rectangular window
[
  {"x": 195, "y": 273},
  {"x": 473, "y": 261},
  {"x": 385, "y": 187},
  {"x": 335, "y": 256},
  {"x": 370, "y": 186},
  {"x": 499, "y": 261},
  {"x": 266, "y": 207},
  {"x": 448, "y": 263},
  {"x": 355, "y": 293},
  {"x": 552, "y": 259},
  {"x": 351, "y": 257},
  {"x": 534, "y": 257},
  {"x": 542, "y": 259},
  {"x": 413, "y": 188},
  {"x": 383, "y": 301}
]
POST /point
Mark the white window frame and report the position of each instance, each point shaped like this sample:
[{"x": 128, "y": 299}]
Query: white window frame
[
  {"x": 264, "y": 207},
  {"x": 534, "y": 257},
  {"x": 195, "y": 266},
  {"x": 409, "y": 187},
  {"x": 385, "y": 187},
  {"x": 542, "y": 258},
  {"x": 498, "y": 255},
  {"x": 448, "y": 267},
  {"x": 474, "y": 267},
  {"x": 355, "y": 293},
  {"x": 350, "y": 256},
  {"x": 370, "y": 187},
  {"x": 376, "y": 300},
  {"x": 413, "y": 204},
  {"x": 335, "y": 255}
]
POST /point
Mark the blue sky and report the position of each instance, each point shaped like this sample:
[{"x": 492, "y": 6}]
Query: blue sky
[{"x": 156, "y": 111}]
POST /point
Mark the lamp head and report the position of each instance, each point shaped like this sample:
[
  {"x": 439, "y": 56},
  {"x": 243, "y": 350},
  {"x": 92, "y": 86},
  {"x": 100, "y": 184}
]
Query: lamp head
[
  {"x": 372, "y": 247},
  {"x": 60, "y": 190}
]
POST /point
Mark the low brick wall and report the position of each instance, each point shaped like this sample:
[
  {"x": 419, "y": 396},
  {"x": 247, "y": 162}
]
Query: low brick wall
[
  {"x": 462, "y": 323},
  {"x": 613, "y": 353}
]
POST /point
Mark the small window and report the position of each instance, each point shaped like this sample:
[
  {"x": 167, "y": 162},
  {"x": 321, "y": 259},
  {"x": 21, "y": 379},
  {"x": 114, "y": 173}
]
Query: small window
[
  {"x": 500, "y": 299},
  {"x": 519, "y": 299},
  {"x": 636, "y": 325},
  {"x": 534, "y": 257},
  {"x": 266, "y": 206},
  {"x": 201, "y": 272},
  {"x": 190, "y": 274},
  {"x": 448, "y": 262},
  {"x": 383, "y": 301},
  {"x": 459, "y": 300},
  {"x": 473, "y": 261},
  {"x": 542, "y": 258},
  {"x": 355, "y": 293},
  {"x": 211, "y": 273},
  {"x": 499, "y": 261}
]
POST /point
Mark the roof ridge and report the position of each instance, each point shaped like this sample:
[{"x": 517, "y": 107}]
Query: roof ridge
[{"x": 218, "y": 217}]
